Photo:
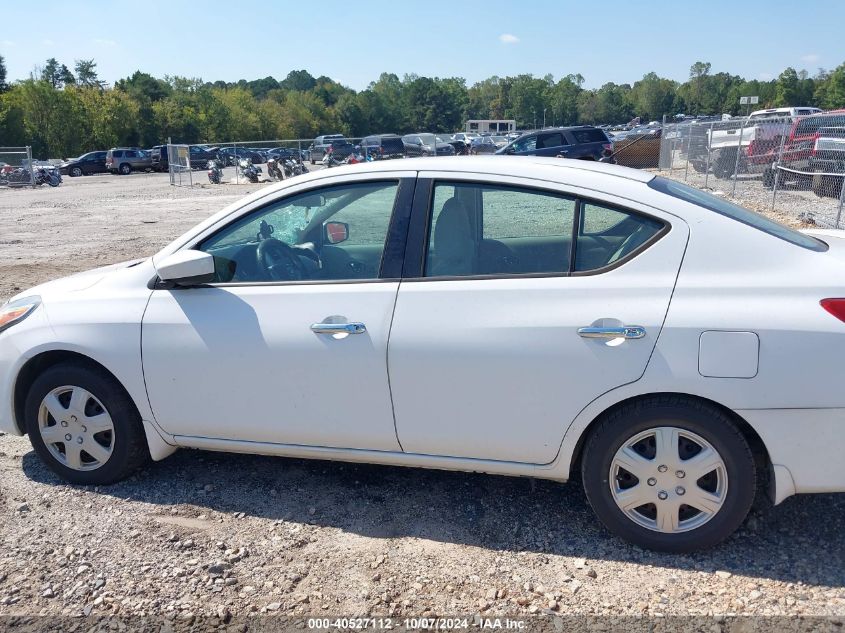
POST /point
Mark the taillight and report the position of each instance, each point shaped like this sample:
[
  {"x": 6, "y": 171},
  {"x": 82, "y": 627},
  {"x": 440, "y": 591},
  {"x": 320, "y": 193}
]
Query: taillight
[
  {"x": 815, "y": 146},
  {"x": 835, "y": 306}
]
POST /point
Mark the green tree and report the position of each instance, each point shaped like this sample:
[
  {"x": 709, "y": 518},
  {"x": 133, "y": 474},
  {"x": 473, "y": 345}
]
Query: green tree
[
  {"x": 651, "y": 97},
  {"x": 86, "y": 74},
  {"x": 787, "y": 89}
]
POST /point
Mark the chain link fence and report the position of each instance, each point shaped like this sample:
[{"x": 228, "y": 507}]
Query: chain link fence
[
  {"x": 791, "y": 165},
  {"x": 183, "y": 160},
  {"x": 16, "y": 167}
]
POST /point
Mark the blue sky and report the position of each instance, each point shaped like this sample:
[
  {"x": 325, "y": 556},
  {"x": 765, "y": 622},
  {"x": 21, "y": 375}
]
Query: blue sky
[{"x": 355, "y": 40}]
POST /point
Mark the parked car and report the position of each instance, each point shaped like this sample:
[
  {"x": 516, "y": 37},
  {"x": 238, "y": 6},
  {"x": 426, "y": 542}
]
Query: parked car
[
  {"x": 812, "y": 145},
  {"x": 613, "y": 341},
  {"x": 231, "y": 155},
  {"x": 426, "y": 144},
  {"x": 321, "y": 145},
  {"x": 285, "y": 152},
  {"x": 383, "y": 146},
  {"x": 584, "y": 142},
  {"x": 125, "y": 160},
  {"x": 827, "y": 161},
  {"x": 198, "y": 156},
  {"x": 90, "y": 163},
  {"x": 484, "y": 145},
  {"x": 339, "y": 148},
  {"x": 746, "y": 145},
  {"x": 466, "y": 137},
  {"x": 460, "y": 146}
]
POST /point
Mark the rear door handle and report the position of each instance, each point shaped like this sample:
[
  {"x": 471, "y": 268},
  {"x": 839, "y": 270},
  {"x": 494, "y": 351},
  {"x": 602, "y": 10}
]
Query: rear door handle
[
  {"x": 338, "y": 328},
  {"x": 626, "y": 331}
]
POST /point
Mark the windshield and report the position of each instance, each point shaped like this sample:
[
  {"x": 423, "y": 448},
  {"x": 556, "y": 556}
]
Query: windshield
[
  {"x": 499, "y": 139},
  {"x": 444, "y": 138},
  {"x": 735, "y": 212},
  {"x": 427, "y": 139}
]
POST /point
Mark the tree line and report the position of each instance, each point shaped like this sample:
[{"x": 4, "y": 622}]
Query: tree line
[{"x": 63, "y": 112}]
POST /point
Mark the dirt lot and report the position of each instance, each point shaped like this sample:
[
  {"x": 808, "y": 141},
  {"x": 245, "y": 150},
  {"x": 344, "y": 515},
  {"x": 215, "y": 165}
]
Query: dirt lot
[{"x": 213, "y": 534}]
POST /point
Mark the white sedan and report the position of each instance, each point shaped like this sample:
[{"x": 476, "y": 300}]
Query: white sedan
[{"x": 519, "y": 316}]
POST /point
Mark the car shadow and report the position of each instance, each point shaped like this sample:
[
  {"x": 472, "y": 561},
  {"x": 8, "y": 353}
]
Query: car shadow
[{"x": 798, "y": 541}]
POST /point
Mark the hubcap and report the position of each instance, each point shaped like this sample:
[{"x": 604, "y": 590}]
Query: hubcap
[
  {"x": 668, "y": 480},
  {"x": 76, "y": 428}
]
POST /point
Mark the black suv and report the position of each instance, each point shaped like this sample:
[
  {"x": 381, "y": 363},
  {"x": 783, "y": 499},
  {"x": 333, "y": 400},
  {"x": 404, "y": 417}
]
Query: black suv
[
  {"x": 383, "y": 146},
  {"x": 584, "y": 141}
]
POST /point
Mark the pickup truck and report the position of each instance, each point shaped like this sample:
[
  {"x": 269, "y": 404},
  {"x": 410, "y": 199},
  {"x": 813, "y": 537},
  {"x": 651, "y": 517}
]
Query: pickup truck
[
  {"x": 827, "y": 162},
  {"x": 755, "y": 138}
]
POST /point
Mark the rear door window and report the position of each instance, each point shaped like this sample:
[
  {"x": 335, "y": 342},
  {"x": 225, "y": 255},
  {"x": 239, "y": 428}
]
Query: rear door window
[
  {"x": 545, "y": 141},
  {"x": 589, "y": 136}
]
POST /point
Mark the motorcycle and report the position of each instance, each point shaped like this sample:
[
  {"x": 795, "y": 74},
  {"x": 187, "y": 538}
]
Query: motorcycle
[
  {"x": 215, "y": 171},
  {"x": 295, "y": 168},
  {"x": 248, "y": 170},
  {"x": 329, "y": 159},
  {"x": 22, "y": 177},
  {"x": 275, "y": 169}
]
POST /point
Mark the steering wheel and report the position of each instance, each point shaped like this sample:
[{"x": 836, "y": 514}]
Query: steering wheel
[{"x": 279, "y": 260}]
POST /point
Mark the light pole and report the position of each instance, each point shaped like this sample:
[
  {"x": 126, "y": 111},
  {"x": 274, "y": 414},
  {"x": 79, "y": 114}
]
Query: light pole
[
  {"x": 535, "y": 119},
  {"x": 544, "y": 117}
]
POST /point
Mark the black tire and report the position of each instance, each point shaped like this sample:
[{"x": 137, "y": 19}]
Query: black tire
[
  {"x": 125, "y": 169},
  {"x": 130, "y": 450},
  {"x": 711, "y": 424},
  {"x": 827, "y": 186},
  {"x": 725, "y": 163},
  {"x": 75, "y": 172}
]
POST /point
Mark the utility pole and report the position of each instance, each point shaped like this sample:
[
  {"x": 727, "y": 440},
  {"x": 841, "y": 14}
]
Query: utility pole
[{"x": 544, "y": 117}]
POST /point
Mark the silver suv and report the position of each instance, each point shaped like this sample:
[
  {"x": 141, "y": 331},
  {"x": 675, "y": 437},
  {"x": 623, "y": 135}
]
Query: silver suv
[{"x": 125, "y": 160}]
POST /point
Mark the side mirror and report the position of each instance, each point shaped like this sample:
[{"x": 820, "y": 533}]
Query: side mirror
[
  {"x": 335, "y": 232},
  {"x": 186, "y": 268}
]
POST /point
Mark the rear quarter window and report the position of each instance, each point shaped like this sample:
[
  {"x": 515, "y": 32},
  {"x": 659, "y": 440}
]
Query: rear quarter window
[{"x": 589, "y": 136}]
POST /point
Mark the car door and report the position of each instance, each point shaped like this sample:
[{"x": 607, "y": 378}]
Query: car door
[
  {"x": 253, "y": 358},
  {"x": 486, "y": 359},
  {"x": 97, "y": 163}
]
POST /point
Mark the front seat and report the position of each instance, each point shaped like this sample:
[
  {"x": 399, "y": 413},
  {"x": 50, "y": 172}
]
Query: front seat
[{"x": 454, "y": 250}]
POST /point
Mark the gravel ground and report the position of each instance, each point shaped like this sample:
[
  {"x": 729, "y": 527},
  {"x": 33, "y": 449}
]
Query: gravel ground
[{"x": 206, "y": 534}]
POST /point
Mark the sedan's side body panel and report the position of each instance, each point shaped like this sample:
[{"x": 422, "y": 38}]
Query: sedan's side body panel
[{"x": 495, "y": 369}]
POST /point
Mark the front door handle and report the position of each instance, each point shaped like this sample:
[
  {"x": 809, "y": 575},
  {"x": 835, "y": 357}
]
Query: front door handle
[
  {"x": 338, "y": 328},
  {"x": 626, "y": 331}
]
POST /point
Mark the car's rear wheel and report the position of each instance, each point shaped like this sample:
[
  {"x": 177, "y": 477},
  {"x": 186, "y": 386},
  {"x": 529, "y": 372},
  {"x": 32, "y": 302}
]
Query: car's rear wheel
[
  {"x": 669, "y": 473},
  {"x": 84, "y": 426},
  {"x": 76, "y": 171}
]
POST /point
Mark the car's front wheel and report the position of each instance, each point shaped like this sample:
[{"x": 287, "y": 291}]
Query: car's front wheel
[
  {"x": 84, "y": 426},
  {"x": 669, "y": 473}
]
